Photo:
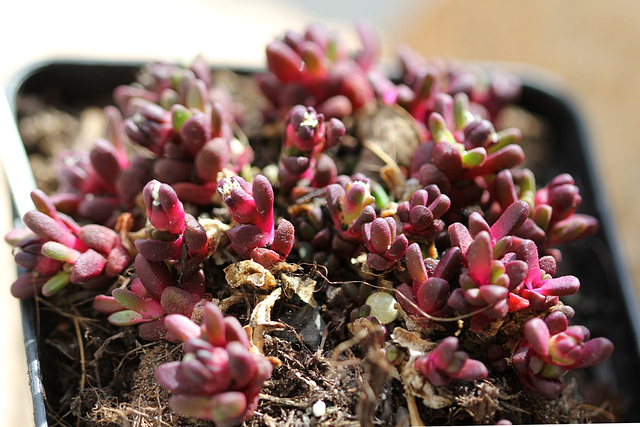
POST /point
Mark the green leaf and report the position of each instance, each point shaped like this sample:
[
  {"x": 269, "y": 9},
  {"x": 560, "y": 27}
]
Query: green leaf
[
  {"x": 127, "y": 318},
  {"x": 56, "y": 283},
  {"x": 474, "y": 157}
]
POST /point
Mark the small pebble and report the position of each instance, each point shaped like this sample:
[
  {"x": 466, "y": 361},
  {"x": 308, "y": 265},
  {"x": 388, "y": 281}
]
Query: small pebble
[
  {"x": 319, "y": 408},
  {"x": 382, "y": 307}
]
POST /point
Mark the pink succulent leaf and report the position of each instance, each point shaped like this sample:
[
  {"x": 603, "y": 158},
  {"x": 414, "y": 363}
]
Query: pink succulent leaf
[
  {"x": 407, "y": 300},
  {"x": 43, "y": 203},
  {"x": 492, "y": 294},
  {"x": 367, "y": 215},
  {"x": 449, "y": 263},
  {"x": 214, "y": 325},
  {"x": 199, "y": 194},
  {"x": 415, "y": 263},
  {"x": 214, "y": 156},
  {"x": 164, "y": 210},
  {"x": 265, "y": 257},
  {"x": 106, "y": 304},
  {"x": 246, "y": 237},
  {"x": 195, "y": 132},
  {"x": 284, "y": 62},
  {"x": 397, "y": 248},
  {"x": 98, "y": 237},
  {"x": 594, "y": 351},
  {"x": 575, "y": 227},
  {"x": 510, "y": 220},
  {"x": 192, "y": 406},
  {"x": 146, "y": 307},
  {"x": 557, "y": 322},
  {"x": 549, "y": 388},
  {"x": 479, "y": 257},
  {"x": 504, "y": 189},
  {"x": 460, "y": 237},
  {"x": 195, "y": 235},
  {"x": 228, "y": 408},
  {"x": 283, "y": 239},
  {"x": 182, "y": 327},
  {"x": 371, "y": 45},
  {"x": 172, "y": 171},
  {"x": 378, "y": 262},
  {"x": 177, "y": 300},
  {"x": 242, "y": 364},
  {"x": 105, "y": 160},
  {"x": 49, "y": 229},
  {"x": 378, "y": 235},
  {"x": 263, "y": 195},
  {"x": 335, "y": 131},
  {"x": 444, "y": 352},
  {"x": 166, "y": 375},
  {"x": 154, "y": 330},
  {"x": 432, "y": 295},
  {"x": 89, "y": 265},
  {"x": 517, "y": 272},
  {"x": 296, "y": 165},
  {"x": 537, "y": 334},
  {"x": 420, "y": 217},
  {"x": 559, "y": 286},
  {"x": 154, "y": 275},
  {"x": 458, "y": 301},
  {"x": 157, "y": 250},
  {"x": 446, "y": 157},
  {"x": 440, "y": 205},
  {"x": 236, "y": 194},
  {"x": 528, "y": 252},
  {"x": 471, "y": 370},
  {"x": 233, "y": 331},
  {"x": 477, "y": 224},
  {"x": 505, "y": 158},
  {"x": 117, "y": 260}
]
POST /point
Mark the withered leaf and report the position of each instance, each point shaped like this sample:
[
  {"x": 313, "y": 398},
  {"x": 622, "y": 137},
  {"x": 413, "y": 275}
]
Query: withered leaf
[
  {"x": 302, "y": 286},
  {"x": 260, "y": 320},
  {"x": 249, "y": 273}
]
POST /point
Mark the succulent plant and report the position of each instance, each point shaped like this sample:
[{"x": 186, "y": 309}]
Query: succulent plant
[
  {"x": 550, "y": 347},
  {"x": 314, "y": 69},
  {"x": 446, "y": 363},
  {"x": 220, "y": 375},
  {"x": 254, "y": 235},
  {"x": 57, "y": 251},
  {"x": 306, "y": 137}
]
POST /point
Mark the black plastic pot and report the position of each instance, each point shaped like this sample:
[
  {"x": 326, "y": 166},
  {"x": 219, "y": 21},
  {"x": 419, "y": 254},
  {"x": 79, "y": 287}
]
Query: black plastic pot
[{"x": 607, "y": 298}]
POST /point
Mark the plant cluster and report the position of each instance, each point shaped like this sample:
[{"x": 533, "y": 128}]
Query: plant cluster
[{"x": 459, "y": 239}]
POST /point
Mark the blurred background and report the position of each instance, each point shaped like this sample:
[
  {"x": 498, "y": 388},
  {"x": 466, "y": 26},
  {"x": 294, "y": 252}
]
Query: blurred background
[{"x": 588, "y": 48}]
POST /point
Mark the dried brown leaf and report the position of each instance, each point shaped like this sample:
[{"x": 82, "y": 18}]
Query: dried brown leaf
[
  {"x": 249, "y": 273},
  {"x": 302, "y": 286}
]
